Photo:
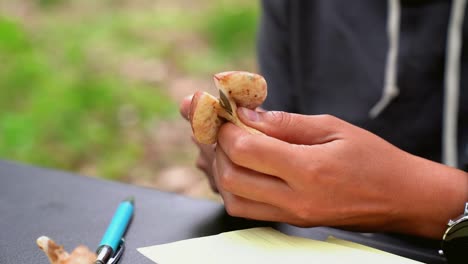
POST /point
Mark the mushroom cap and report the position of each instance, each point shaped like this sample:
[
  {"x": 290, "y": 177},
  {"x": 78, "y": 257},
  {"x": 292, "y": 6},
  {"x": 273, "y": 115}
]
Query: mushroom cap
[
  {"x": 204, "y": 118},
  {"x": 245, "y": 88}
]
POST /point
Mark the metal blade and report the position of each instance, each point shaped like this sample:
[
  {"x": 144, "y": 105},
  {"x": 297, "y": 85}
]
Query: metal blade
[{"x": 225, "y": 102}]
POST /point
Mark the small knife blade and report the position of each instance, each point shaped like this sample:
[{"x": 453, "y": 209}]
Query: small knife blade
[{"x": 225, "y": 102}]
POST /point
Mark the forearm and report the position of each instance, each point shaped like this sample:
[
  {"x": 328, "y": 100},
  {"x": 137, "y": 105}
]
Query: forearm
[{"x": 435, "y": 193}]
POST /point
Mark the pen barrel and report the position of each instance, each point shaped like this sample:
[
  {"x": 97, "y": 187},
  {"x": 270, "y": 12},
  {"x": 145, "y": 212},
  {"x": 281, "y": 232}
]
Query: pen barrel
[{"x": 118, "y": 225}]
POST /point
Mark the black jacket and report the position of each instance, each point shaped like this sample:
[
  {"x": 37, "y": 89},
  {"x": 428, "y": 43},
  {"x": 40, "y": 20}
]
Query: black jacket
[{"x": 329, "y": 56}]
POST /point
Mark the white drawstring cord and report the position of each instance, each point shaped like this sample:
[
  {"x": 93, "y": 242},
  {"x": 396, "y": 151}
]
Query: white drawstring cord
[
  {"x": 452, "y": 84},
  {"x": 390, "y": 90}
]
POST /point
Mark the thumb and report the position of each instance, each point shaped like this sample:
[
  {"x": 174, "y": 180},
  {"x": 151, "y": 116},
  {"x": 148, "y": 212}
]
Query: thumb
[
  {"x": 292, "y": 128},
  {"x": 184, "y": 107}
]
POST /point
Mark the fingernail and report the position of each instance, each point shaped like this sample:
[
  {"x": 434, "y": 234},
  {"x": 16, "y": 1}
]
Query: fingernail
[{"x": 249, "y": 114}]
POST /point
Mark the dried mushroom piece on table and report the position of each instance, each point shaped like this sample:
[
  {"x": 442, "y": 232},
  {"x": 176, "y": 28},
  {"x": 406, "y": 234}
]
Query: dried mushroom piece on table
[{"x": 57, "y": 254}]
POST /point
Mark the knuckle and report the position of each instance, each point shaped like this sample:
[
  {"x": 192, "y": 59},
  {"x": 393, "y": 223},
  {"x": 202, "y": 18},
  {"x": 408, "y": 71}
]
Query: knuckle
[
  {"x": 226, "y": 179},
  {"x": 239, "y": 148},
  {"x": 314, "y": 167},
  {"x": 232, "y": 206},
  {"x": 283, "y": 119},
  {"x": 327, "y": 117},
  {"x": 201, "y": 164},
  {"x": 303, "y": 212},
  {"x": 329, "y": 120},
  {"x": 311, "y": 171}
]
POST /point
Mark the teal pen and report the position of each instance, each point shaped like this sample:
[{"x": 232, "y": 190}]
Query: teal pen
[{"x": 112, "y": 244}]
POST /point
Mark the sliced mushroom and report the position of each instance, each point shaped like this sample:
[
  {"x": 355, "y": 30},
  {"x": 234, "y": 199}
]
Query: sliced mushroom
[
  {"x": 236, "y": 88},
  {"x": 204, "y": 117},
  {"x": 246, "y": 89}
]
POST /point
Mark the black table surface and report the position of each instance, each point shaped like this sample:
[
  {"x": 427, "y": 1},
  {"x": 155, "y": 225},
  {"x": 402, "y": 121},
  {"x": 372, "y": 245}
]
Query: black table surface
[{"x": 74, "y": 209}]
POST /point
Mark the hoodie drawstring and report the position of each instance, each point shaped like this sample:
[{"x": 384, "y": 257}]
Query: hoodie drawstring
[
  {"x": 390, "y": 90},
  {"x": 452, "y": 84},
  {"x": 451, "y": 75}
]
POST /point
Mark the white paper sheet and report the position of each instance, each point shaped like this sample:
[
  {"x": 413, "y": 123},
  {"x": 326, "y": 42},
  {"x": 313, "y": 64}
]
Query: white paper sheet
[{"x": 265, "y": 245}]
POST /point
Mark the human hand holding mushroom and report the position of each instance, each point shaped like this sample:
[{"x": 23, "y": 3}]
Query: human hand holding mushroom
[
  {"x": 206, "y": 113},
  {"x": 318, "y": 170}
]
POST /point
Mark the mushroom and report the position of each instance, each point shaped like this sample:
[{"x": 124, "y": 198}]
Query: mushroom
[
  {"x": 58, "y": 255},
  {"x": 236, "y": 89},
  {"x": 204, "y": 118}
]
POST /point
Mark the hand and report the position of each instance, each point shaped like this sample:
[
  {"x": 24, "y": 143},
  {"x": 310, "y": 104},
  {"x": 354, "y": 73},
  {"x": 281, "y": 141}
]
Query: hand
[
  {"x": 206, "y": 152},
  {"x": 322, "y": 171}
]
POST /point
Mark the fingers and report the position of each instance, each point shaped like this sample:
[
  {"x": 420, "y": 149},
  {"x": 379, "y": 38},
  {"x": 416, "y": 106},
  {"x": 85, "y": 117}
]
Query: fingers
[
  {"x": 249, "y": 184},
  {"x": 184, "y": 107},
  {"x": 205, "y": 161},
  {"x": 241, "y": 207},
  {"x": 293, "y": 128},
  {"x": 266, "y": 154}
]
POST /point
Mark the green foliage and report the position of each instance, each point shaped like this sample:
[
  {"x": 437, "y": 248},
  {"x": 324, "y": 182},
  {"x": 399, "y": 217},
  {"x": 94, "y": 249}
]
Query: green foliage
[
  {"x": 64, "y": 102},
  {"x": 50, "y": 3},
  {"x": 231, "y": 27},
  {"x": 67, "y": 116},
  {"x": 13, "y": 39}
]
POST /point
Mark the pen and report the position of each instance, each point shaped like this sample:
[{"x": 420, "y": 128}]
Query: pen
[{"x": 112, "y": 244}]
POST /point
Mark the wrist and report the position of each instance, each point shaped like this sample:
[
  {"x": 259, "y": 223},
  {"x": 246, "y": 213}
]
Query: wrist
[{"x": 438, "y": 193}]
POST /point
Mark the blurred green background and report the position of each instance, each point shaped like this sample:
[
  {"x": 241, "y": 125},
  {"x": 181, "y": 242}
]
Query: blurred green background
[{"x": 93, "y": 87}]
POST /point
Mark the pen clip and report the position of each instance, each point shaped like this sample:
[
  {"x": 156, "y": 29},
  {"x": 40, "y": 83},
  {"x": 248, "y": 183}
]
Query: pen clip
[{"x": 118, "y": 253}]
